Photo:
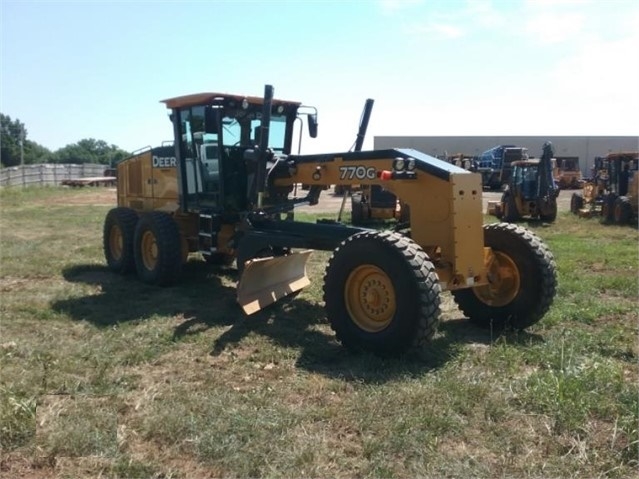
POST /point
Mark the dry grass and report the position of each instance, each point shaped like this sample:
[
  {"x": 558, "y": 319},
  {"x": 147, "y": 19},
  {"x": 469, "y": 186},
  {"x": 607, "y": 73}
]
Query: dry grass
[{"x": 103, "y": 376}]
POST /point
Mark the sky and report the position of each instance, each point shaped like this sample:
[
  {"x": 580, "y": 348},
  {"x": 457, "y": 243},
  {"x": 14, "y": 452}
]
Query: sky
[{"x": 99, "y": 69}]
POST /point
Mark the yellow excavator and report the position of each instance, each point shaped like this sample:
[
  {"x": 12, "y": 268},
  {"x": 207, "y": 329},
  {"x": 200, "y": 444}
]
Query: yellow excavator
[{"x": 225, "y": 191}]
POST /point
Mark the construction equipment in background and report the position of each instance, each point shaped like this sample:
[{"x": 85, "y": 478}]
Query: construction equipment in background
[
  {"x": 224, "y": 192},
  {"x": 494, "y": 164},
  {"x": 531, "y": 193},
  {"x": 621, "y": 198},
  {"x": 566, "y": 172},
  {"x": 462, "y": 160},
  {"x": 589, "y": 201}
]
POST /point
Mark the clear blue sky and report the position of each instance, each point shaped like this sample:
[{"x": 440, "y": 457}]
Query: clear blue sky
[{"x": 88, "y": 69}]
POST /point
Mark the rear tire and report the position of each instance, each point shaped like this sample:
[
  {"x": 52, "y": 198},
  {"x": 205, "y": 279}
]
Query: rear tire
[
  {"x": 382, "y": 293},
  {"x": 510, "y": 214},
  {"x": 357, "y": 209},
  {"x": 576, "y": 203},
  {"x": 551, "y": 216},
  {"x": 622, "y": 210},
  {"x": 118, "y": 237},
  {"x": 158, "y": 249},
  {"x": 523, "y": 280},
  {"x": 608, "y": 208}
]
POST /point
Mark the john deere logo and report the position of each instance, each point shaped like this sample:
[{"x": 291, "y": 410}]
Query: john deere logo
[{"x": 164, "y": 162}]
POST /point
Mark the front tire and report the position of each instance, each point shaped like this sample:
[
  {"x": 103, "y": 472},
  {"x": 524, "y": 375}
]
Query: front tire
[
  {"x": 158, "y": 249},
  {"x": 522, "y": 276},
  {"x": 382, "y": 293},
  {"x": 118, "y": 237},
  {"x": 576, "y": 203}
]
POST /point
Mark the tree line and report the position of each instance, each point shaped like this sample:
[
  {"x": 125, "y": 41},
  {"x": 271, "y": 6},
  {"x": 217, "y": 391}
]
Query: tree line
[{"x": 88, "y": 150}]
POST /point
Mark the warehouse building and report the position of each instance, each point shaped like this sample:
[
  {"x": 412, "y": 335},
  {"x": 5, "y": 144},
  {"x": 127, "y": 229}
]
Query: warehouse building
[{"x": 585, "y": 148}]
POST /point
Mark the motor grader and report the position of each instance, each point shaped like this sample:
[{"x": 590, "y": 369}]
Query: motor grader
[
  {"x": 620, "y": 201},
  {"x": 589, "y": 201},
  {"x": 225, "y": 192}
]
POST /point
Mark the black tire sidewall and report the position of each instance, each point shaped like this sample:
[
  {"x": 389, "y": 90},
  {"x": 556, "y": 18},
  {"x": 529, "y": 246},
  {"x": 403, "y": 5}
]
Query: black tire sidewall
[
  {"x": 125, "y": 219},
  {"x": 167, "y": 238},
  {"x": 399, "y": 333},
  {"x": 536, "y": 270},
  {"x": 576, "y": 203},
  {"x": 519, "y": 252}
]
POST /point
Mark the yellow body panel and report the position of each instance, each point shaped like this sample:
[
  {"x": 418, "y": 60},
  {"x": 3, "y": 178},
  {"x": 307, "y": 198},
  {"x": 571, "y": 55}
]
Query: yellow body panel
[
  {"x": 444, "y": 214},
  {"x": 147, "y": 182}
]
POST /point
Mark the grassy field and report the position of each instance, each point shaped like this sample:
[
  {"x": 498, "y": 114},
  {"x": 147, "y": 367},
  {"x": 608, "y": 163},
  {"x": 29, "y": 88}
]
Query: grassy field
[{"x": 103, "y": 376}]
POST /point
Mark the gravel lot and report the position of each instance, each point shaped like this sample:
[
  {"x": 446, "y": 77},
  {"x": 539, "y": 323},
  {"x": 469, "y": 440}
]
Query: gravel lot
[{"x": 329, "y": 202}]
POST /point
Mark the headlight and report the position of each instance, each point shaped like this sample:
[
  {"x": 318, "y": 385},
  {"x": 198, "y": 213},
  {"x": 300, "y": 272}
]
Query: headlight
[
  {"x": 399, "y": 164},
  {"x": 410, "y": 164}
]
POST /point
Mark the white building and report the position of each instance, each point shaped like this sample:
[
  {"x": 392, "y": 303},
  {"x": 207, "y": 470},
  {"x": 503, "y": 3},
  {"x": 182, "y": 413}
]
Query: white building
[{"x": 586, "y": 148}]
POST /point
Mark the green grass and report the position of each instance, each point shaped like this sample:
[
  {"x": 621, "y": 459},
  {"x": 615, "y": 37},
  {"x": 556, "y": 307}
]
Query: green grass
[{"x": 104, "y": 376}]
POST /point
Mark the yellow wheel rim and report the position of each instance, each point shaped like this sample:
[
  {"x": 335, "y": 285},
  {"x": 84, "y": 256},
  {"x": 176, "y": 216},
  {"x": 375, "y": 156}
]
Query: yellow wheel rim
[
  {"x": 503, "y": 281},
  {"x": 116, "y": 243},
  {"x": 149, "y": 250},
  {"x": 370, "y": 298}
]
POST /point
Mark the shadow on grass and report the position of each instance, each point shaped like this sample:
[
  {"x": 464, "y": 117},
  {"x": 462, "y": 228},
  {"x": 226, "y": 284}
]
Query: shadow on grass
[
  {"x": 295, "y": 324},
  {"x": 200, "y": 296}
]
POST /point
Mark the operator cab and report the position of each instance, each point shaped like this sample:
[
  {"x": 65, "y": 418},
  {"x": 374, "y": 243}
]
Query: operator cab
[
  {"x": 525, "y": 178},
  {"x": 218, "y": 141}
]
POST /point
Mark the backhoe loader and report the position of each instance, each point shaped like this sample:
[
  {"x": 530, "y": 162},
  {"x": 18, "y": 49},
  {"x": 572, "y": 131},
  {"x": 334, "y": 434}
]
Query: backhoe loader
[
  {"x": 530, "y": 192},
  {"x": 225, "y": 192}
]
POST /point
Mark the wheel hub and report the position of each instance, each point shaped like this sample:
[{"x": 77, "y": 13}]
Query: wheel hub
[
  {"x": 503, "y": 281},
  {"x": 370, "y": 298},
  {"x": 149, "y": 251},
  {"x": 116, "y": 242}
]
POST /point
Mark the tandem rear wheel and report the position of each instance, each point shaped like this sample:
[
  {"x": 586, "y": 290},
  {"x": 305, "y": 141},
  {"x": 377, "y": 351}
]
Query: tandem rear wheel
[{"x": 149, "y": 244}]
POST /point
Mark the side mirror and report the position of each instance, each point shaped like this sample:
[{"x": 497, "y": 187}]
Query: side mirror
[{"x": 312, "y": 125}]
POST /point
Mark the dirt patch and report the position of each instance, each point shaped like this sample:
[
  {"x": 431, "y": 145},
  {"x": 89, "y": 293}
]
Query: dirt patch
[{"x": 95, "y": 196}]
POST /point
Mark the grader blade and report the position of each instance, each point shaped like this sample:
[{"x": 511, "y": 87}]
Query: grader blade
[{"x": 267, "y": 280}]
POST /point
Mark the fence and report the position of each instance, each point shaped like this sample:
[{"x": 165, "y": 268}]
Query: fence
[{"x": 47, "y": 174}]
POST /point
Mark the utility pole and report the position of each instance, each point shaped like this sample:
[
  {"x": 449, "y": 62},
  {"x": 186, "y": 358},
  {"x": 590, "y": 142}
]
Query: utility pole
[
  {"x": 22, "y": 146},
  {"x": 22, "y": 154}
]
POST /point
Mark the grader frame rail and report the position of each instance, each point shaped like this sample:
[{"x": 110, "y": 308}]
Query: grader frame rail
[{"x": 225, "y": 192}]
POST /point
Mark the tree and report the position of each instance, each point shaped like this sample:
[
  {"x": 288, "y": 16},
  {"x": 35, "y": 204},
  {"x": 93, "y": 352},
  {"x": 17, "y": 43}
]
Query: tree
[
  {"x": 90, "y": 150},
  {"x": 35, "y": 153},
  {"x": 11, "y": 132}
]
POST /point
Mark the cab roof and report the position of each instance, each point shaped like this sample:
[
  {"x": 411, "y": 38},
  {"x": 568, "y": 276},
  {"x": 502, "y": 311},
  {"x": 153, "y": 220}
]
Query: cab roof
[{"x": 209, "y": 97}]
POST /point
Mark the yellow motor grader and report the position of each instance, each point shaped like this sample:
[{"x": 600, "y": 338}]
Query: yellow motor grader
[
  {"x": 620, "y": 201},
  {"x": 225, "y": 191}
]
